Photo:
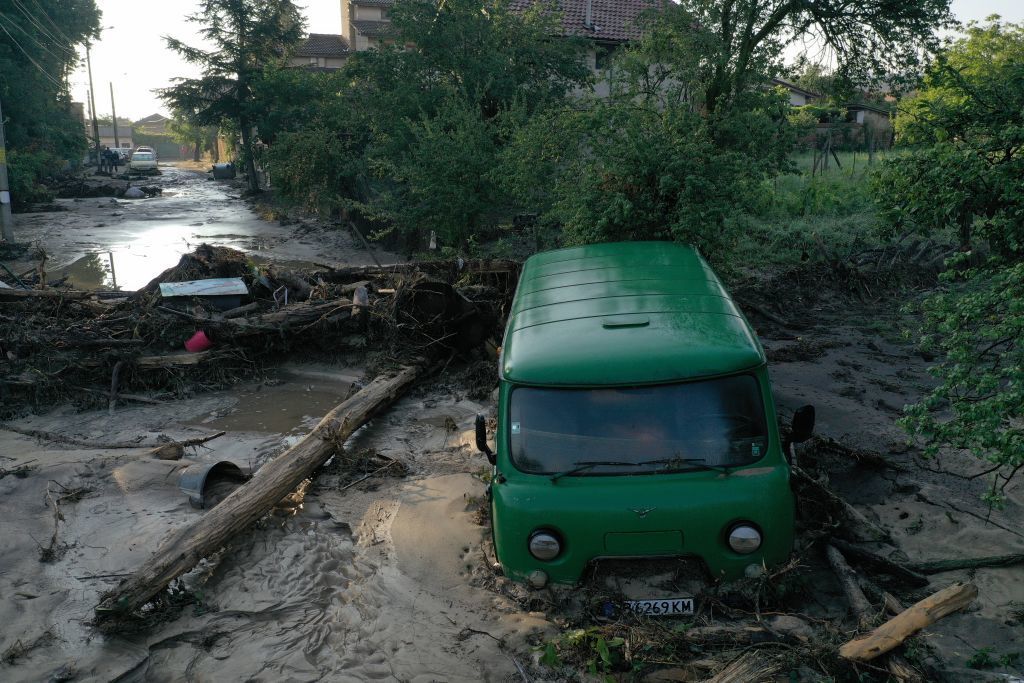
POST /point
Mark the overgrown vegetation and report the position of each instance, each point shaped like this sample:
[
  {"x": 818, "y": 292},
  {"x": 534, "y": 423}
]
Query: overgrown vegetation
[{"x": 967, "y": 175}]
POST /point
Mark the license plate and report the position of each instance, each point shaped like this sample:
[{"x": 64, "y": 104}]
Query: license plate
[{"x": 672, "y": 607}]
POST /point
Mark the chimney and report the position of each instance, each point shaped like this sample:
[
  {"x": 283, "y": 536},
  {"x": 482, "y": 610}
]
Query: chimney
[{"x": 588, "y": 18}]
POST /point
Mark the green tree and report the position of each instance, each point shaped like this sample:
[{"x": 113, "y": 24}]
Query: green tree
[
  {"x": 966, "y": 177},
  {"x": 651, "y": 162},
  {"x": 38, "y": 52},
  {"x": 249, "y": 36},
  {"x": 867, "y": 38},
  {"x": 408, "y": 137}
]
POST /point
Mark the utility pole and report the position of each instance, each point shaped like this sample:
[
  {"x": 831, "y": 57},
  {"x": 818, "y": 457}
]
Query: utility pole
[
  {"x": 117, "y": 141},
  {"x": 92, "y": 102},
  {"x": 6, "y": 220}
]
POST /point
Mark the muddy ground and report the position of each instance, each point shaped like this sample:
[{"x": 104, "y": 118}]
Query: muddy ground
[{"x": 386, "y": 578}]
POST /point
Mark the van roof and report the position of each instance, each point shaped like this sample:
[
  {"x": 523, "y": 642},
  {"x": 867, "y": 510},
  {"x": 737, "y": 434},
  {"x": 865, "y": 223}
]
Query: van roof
[{"x": 624, "y": 313}]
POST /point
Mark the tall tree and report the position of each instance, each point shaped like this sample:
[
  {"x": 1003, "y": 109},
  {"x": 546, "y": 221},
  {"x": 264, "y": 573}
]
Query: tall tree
[
  {"x": 868, "y": 38},
  {"x": 249, "y": 36},
  {"x": 964, "y": 177}
]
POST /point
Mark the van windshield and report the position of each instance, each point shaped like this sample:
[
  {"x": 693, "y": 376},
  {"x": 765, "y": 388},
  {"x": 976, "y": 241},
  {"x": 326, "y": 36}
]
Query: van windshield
[{"x": 716, "y": 423}]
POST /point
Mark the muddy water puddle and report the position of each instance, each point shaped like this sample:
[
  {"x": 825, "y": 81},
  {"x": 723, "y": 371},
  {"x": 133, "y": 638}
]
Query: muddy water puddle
[{"x": 288, "y": 402}]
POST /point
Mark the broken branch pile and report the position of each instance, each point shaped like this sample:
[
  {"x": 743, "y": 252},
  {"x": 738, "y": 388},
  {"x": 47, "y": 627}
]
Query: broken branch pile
[{"x": 57, "y": 344}]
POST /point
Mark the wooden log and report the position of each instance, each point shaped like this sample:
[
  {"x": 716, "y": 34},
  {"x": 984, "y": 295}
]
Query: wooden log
[
  {"x": 479, "y": 266},
  {"x": 747, "y": 668},
  {"x": 848, "y": 581},
  {"x": 240, "y": 311},
  {"x": 184, "y": 548},
  {"x": 173, "y": 360},
  {"x": 939, "y": 566},
  {"x": 892, "y": 633},
  {"x": 37, "y": 294},
  {"x": 290, "y": 316},
  {"x": 880, "y": 563},
  {"x": 859, "y": 526}
]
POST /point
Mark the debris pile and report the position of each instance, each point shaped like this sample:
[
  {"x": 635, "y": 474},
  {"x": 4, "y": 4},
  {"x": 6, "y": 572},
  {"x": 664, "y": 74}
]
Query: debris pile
[{"x": 59, "y": 344}]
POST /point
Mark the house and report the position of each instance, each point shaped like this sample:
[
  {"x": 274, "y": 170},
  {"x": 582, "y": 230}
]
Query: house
[
  {"x": 154, "y": 124},
  {"x": 124, "y": 137},
  {"x": 364, "y": 23},
  {"x": 321, "y": 51},
  {"x": 798, "y": 97},
  {"x": 608, "y": 23},
  {"x": 874, "y": 123}
]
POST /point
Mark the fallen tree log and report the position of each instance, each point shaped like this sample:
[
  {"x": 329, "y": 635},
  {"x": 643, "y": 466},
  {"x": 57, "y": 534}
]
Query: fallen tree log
[
  {"x": 881, "y": 563},
  {"x": 939, "y": 566},
  {"x": 478, "y": 266},
  {"x": 848, "y": 581},
  {"x": 183, "y": 549},
  {"x": 28, "y": 294},
  {"x": 905, "y": 624}
]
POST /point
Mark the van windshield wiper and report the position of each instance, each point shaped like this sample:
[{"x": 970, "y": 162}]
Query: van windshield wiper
[{"x": 584, "y": 465}]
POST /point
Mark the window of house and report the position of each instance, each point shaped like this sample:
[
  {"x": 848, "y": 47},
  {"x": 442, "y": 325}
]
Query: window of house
[{"x": 603, "y": 57}]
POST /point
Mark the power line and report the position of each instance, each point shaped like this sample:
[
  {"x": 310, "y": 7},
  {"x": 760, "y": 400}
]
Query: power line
[
  {"x": 34, "y": 38},
  {"x": 35, "y": 22},
  {"x": 29, "y": 57},
  {"x": 50, "y": 22}
]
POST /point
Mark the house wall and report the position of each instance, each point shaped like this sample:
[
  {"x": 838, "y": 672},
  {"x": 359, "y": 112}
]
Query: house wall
[
  {"x": 797, "y": 99},
  {"x": 370, "y": 13},
  {"x": 326, "y": 62},
  {"x": 126, "y": 143}
]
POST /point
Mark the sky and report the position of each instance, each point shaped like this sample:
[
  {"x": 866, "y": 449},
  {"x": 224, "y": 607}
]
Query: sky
[{"x": 133, "y": 57}]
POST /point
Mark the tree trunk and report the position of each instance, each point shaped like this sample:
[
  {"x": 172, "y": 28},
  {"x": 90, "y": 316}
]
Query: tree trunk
[
  {"x": 184, "y": 548},
  {"x": 250, "y": 163},
  {"x": 197, "y": 150}
]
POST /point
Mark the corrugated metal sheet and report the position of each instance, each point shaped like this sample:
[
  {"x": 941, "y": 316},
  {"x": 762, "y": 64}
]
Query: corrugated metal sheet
[{"x": 224, "y": 286}]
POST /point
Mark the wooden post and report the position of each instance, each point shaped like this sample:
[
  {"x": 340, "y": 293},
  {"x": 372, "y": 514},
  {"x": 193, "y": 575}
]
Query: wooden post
[{"x": 184, "y": 548}]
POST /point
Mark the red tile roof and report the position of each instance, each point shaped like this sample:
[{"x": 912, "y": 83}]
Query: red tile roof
[{"x": 612, "y": 20}]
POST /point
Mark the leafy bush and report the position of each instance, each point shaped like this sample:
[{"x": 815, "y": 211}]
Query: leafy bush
[{"x": 26, "y": 172}]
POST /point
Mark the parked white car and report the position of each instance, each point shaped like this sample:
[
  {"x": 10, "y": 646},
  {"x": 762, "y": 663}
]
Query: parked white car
[{"x": 143, "y": 160}]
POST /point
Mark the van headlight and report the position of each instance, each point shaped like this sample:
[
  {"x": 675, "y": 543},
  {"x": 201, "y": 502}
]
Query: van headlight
[
  {"x": 744, "y": 538},
  {"x": 544, "y": 545}
]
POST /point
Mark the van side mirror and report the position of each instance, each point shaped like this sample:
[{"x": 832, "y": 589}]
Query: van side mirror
[
  {"x": 481, "y": 439},
  {"x": 802, "y": 427}
]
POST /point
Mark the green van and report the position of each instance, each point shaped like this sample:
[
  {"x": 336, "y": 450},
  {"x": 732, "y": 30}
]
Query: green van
[{"x": 635, "y": 420}]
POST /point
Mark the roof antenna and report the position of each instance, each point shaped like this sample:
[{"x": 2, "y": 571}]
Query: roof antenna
[{"x": 588, "y": 19}]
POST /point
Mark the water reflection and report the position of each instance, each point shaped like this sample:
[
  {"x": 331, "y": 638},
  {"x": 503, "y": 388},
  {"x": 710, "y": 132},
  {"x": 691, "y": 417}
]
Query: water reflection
[{"x": 92, "y": 271}]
